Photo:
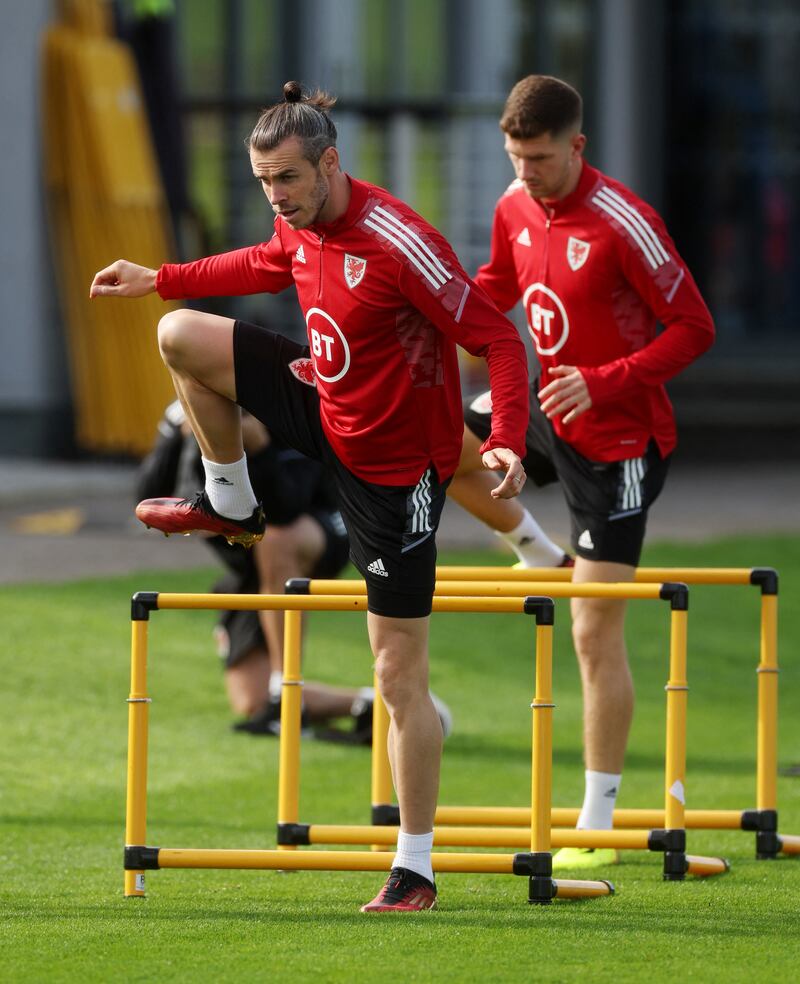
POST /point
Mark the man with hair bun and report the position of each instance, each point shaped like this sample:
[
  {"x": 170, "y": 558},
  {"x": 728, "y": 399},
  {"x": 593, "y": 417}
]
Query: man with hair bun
[
  {"x": 375, "y": 396},
  {"x": 596, "y": 271}
]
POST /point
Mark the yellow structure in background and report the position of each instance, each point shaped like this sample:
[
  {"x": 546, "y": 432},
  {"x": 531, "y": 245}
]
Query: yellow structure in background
[{"x": 106, "y": 201}]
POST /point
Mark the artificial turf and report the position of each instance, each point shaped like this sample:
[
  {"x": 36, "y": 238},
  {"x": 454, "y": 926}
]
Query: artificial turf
[{"x": 65, "y": 671}]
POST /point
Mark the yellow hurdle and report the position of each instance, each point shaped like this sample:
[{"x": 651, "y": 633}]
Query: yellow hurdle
[
  {"x": 670, "y": 838},
  {"x": 763, "y": 820},
  {"x": 536, "y": 863}
]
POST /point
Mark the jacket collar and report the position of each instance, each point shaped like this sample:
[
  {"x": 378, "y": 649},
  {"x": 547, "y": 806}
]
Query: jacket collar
[
  {"x": 358, "y": 197},
  {"x": 587, "y": 180}
]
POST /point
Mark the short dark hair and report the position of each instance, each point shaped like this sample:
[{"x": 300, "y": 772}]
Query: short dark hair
[
  {"x": 301, "y": 115},
  {"x": 540, "y": 104}
]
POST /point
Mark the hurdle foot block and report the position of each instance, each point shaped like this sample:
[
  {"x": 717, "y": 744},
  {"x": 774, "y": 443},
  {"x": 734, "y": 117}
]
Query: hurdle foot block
[
  {"x": 768, "y": 845},
  {"x": 675, "y": 866},
  {"x": 140, "y": 858},
  {"x": 541, "y": 890},
  {"x": 538, "y": 866}
]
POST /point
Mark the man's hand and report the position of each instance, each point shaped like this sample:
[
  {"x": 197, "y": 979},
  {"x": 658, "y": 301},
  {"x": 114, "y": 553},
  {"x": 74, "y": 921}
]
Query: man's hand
[
  {"x": 503, "y": 459},
  {"x": 123, "y": 279},
  {"x": 566, "y": 395}
]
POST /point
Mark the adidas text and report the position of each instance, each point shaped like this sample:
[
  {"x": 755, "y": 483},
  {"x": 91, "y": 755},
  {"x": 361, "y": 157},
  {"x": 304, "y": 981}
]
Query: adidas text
[{"x": 376, "y": 567}]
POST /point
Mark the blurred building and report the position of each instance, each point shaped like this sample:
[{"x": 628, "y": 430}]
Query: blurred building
[{"x": 693, "y": 103}]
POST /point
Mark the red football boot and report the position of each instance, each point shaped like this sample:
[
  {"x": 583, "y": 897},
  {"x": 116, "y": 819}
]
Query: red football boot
[
  {"x": 197, "y": 515},
  {"x": 404, "y": 891}
]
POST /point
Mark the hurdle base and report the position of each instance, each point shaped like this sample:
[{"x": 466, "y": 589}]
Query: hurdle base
[
  {"x": 675, "y": 866},
  {"x": 543, "y": 888},
  {"x": 538, "y": 866}
]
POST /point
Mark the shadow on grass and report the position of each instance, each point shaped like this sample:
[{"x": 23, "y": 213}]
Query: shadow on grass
[{"x": 477, "y": 749}]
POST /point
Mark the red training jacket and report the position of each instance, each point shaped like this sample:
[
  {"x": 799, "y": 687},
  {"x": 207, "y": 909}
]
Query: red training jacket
[
  {"x": 596, "y": 271},
  {"x": 385, "y": 301}
]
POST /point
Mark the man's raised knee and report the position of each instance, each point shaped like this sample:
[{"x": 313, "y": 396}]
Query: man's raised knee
[{"x": 174, "y": 329}]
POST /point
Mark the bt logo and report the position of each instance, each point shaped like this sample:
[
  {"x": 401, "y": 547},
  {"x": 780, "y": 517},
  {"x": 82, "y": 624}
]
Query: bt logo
[
  {"x": 317, "y": 342},
  {"x": 547, "y": 318},
  {"x": 328, "y": 345}
]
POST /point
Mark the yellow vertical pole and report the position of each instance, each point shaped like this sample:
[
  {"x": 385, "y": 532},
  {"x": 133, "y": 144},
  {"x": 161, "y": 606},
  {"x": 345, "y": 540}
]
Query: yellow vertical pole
[
  {"x": 382, "y": 787},
  {"x": 136, "y": 800},
  {"x": 542, "y": 764},
  {"x": 291, "y": 712},
  {"x": 677, "y": 693},
  {"x": 767, "y": 727}
]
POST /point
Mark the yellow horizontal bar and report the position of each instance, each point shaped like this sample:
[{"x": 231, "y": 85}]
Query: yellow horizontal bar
[
  {"x": 500, "y": 864},
  {"x": 514, "y": 816},
  {"x": 487, "y": 589},
  {"x": 644, "y": 575},
  {"x": 339, "y": 602},
  {"x": 480, "y": 837}
]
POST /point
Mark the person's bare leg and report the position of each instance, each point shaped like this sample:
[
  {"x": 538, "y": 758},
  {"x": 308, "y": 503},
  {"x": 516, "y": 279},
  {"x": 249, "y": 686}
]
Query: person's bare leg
[
  {"x": 471, "y": 487},
  {"x": 400, "y": 647},
  {"x": 247, "y": 683},
  {"x": 197, "y": 348},
  {"x": 598, "y": 635},
  {"x": 285, "y": 552}
]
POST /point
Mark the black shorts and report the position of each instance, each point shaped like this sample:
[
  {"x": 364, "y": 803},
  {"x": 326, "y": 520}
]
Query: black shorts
[
  {"x": 607, "y": 500},
  {"x": 392, "y": 528},
  {"x": 243, "y": 631}
]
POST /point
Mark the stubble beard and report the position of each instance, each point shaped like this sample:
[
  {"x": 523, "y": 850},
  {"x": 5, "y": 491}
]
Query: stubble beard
[{"x": 319, "y": 197}]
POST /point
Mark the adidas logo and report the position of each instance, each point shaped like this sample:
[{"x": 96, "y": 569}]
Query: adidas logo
[
  {"x": 611, "y": 793},
  {"x": 585, "y": 540},
  {"x": 221, "y": 481},
  {"x": 376, "y": 567},
  {"x": 524, "y": 238},
  {"x": 525, "y": 541},
  {"x": 300, "y": 255}
]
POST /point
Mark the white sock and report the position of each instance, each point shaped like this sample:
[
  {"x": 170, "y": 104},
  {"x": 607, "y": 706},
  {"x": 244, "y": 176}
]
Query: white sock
[
  {"x": 414, "y": 853},
  {"x": 532, "y": 545},
  {"x": 599, "y": 800},
  {"x": 229, "y": 490},
  {"x": 275, "y": 685}
]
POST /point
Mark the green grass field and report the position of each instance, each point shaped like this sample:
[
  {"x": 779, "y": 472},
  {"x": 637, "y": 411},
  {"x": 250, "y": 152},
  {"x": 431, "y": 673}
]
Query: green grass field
[{"x": 63, "y": 722}]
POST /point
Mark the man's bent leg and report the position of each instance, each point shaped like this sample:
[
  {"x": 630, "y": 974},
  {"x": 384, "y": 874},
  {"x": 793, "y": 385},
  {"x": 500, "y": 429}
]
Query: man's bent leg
[
  {"x": 198, "y": 351},
  {"x": 471, "y": 488},
  {"x": 197, "y": 348}
]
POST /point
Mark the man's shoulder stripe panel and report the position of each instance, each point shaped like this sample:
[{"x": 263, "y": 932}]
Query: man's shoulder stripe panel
[
  {"x": 637, "y": 227},
  {"x": 410, "y": 244}
]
